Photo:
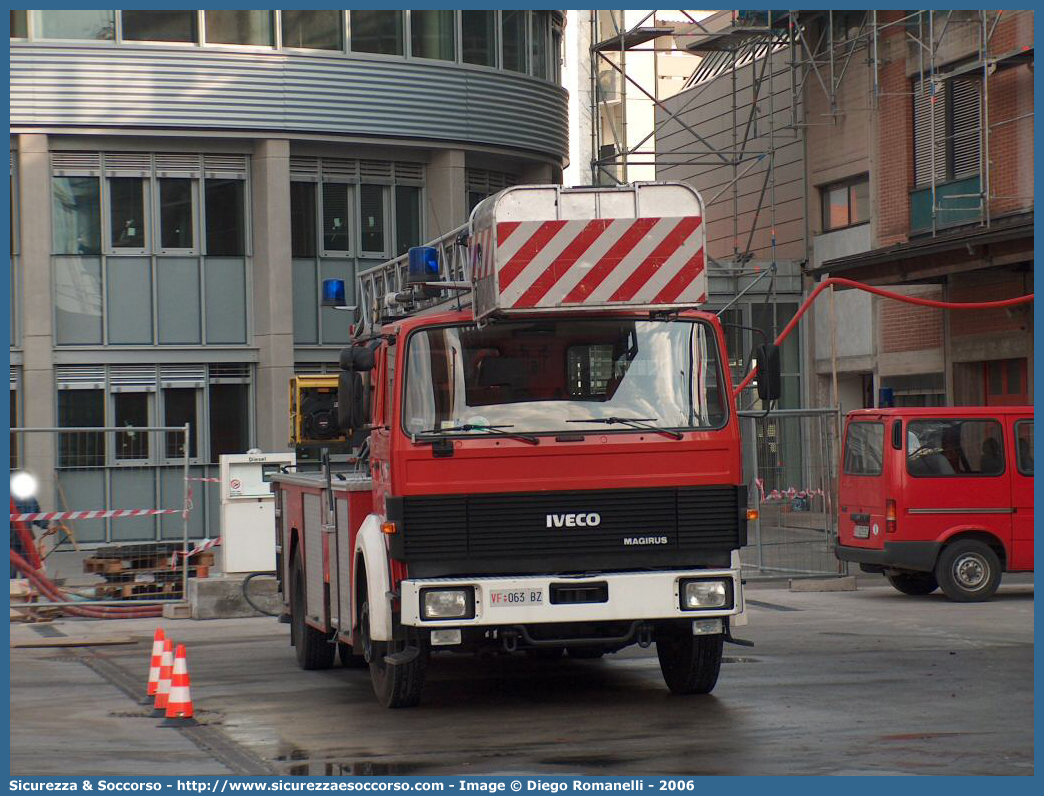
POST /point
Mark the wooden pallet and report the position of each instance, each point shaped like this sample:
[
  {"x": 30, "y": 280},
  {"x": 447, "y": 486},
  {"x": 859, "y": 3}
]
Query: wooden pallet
[
  {"x": 111, "y": 566},
  {"x": 138, "y": 591},
  {"x": 143, "y": 571}
]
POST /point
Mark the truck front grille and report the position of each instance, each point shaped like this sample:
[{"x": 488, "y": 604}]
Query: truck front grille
[{"x": 689, "y": 519}]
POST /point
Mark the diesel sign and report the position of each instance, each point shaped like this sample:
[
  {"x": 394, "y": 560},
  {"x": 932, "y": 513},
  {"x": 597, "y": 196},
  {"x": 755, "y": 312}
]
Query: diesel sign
[{"x": 589, "y": 520}]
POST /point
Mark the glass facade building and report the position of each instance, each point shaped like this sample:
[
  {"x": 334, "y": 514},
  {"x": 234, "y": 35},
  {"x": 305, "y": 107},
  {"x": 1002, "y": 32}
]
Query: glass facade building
[{"x": 183, "y": 181}]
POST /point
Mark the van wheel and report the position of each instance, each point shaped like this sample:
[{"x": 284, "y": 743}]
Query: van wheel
[
  {"x": 396, "y": 686},
  {"x": 968, "y": 571},
  {"x": 914, "y": 583},
  {"x": 690, "y": 664},
  {"x": 313, "y": 649}
]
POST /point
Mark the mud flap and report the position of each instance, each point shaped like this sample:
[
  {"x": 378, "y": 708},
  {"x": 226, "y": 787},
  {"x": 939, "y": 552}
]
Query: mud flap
[{"x": 400, "y": 658}]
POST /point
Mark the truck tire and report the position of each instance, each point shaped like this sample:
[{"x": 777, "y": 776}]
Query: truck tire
[
  {"x": 968, "y": 571},
  {"x": 690, "y": 664},
  {"x": 396, "y": 686},
  {"x": 914, "y": 583},
  {"x": 313, "y": 649},
  {"x": 349, "y": 660}
]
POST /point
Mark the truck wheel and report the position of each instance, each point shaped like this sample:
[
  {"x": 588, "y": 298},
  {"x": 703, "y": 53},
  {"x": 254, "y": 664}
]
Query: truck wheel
[
  {"x": 968, "y": 571},
  {"x": 914, "y": 583},
  {"x": 313, "y": 649},
  {"x": 399, "y": 685},
  {"x": 349, "y": 660},
  {"x": 689, "y": 663}
]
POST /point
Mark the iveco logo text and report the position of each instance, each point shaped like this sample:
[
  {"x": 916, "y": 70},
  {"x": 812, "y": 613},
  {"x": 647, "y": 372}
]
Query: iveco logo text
[
  {"x": 580, "y": 520},
  {"x": 640, "y": 540}
]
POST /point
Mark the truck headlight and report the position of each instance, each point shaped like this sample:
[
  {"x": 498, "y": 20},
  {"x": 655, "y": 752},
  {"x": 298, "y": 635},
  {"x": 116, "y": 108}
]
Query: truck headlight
[
  {"x": 447, "y": 603},
  {"x": 699, "y": 595}
]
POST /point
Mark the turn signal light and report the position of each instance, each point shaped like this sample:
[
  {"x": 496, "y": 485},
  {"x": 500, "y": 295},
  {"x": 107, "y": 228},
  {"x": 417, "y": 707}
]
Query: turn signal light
[
  {"x": 752, "y": 515},
  {"x": 890, "y": 516},
  {"x": 388, "y": 528}
]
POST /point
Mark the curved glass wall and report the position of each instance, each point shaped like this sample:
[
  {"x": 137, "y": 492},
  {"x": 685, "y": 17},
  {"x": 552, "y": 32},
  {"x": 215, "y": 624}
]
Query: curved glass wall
[{"x": 526, "y": 42}]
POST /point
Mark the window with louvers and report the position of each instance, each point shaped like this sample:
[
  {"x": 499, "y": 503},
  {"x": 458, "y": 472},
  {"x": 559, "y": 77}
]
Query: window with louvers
[
  {"x": 965, "y": 121},
  {"x": 946, "y": 120}
]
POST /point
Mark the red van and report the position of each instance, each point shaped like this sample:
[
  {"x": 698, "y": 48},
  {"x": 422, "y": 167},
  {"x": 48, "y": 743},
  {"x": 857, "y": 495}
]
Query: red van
[{"x": 938, "y": 497}]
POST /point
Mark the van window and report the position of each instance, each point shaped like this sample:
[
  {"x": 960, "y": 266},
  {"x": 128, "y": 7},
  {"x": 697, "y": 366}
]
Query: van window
[
  {"x": 1024, "y": 446},
  {"x": 864, "y": 448},
  {"x": 957, "y": 447}
]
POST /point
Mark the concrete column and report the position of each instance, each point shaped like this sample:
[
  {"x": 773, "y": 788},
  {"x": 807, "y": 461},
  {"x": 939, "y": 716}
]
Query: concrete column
[
  {"x": 36, "y": 305},
  {"x": 540, "y": 174},
  {"x": 273, "y": 291},
  {"x": 446, "y": 191}
]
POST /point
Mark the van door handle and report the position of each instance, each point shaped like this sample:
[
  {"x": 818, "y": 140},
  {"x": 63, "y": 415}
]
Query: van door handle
[{"x": 860, "y": 518}]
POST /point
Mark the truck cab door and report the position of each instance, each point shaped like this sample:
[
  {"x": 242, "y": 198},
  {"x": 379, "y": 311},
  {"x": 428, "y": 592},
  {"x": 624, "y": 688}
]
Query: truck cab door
[
  {"x": 1022, "y": 495},
  {"x": 380, "y": 437}
]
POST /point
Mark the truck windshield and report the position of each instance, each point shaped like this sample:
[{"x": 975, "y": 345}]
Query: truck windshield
[{"x": 563, "y": 376}]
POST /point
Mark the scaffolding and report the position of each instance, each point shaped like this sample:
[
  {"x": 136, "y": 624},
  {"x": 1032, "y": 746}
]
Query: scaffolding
[
  {"x": 766, "y": 84},
  {"x": 930, "y": 39},
  {"x": 815, "y": 49}
]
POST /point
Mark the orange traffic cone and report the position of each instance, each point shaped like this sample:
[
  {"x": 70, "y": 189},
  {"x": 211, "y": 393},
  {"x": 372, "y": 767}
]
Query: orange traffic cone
[
  {"x": 179, "y": 702},
  {"x": 163, "y": 687},
  {"x": 154, "y": 666}
]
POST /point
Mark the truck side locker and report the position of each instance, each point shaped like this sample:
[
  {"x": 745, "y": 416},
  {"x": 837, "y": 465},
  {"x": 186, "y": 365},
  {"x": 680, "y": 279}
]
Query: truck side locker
[{"x": 315, "y": 602}]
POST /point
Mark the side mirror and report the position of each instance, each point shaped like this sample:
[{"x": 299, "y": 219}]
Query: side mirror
[
  {"x": 350, "y": 395},
  {"x": 770, "y": 382},
  {"x": 357, "y": 358}
]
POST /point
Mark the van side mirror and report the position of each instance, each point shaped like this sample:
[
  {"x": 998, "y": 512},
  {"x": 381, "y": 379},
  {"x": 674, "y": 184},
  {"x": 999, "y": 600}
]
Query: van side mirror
[{"x": 770, "y": 382}]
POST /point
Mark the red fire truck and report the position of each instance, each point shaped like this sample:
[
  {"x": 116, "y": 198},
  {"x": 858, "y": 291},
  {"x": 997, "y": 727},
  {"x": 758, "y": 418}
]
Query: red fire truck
[{"x": 546, "y": 455}]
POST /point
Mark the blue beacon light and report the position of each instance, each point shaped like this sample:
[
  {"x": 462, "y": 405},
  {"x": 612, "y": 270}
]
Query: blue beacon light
[
  {"x": 333, "y": 293},
  {"x": 423, "y": 264}
]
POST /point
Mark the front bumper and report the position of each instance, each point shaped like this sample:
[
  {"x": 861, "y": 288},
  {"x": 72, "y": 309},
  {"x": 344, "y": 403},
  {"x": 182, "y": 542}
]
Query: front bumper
[{"x": 631, "y": 596}]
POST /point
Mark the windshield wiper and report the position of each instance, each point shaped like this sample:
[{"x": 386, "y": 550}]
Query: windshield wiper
[
  {"x": 633, "y": 422},
  {"x": 487, "y": 429}
]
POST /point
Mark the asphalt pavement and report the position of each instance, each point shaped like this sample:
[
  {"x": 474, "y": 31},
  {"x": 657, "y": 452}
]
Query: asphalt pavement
[{"x": 862, "y": 682}]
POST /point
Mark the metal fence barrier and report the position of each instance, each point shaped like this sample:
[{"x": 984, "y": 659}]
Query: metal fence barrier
[
  {"x": 791, "y": 458},
  {"x": 120, "y": 492}
]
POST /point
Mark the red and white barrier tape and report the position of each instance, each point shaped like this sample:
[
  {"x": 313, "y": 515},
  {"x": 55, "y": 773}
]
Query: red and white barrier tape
[
  {"x": 786, "y": 494},
  {"x": 206, "y": 544},
  {"x": 204, "y": 480},
  {"x": 100, "y": 514}
]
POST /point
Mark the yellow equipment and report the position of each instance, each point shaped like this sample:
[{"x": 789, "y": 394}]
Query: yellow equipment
[{"x": 313, "y": 410}]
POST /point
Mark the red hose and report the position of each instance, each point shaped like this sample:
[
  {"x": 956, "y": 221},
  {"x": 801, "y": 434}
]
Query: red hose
[
  {"x": 52, "y": 592},
  {"x": 93, "y": 612},
  {"x": 837, "y": 280}
]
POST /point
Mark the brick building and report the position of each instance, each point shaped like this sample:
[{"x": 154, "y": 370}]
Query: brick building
[
  {"x": 922, "y": 180},
  {"x": 889, "y": 147}
]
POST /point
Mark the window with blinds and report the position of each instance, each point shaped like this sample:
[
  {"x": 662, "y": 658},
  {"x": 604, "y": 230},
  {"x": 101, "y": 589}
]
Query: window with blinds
[
  {"x": 965, "y": 123},
  {"x": 947, "y": 129}
]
